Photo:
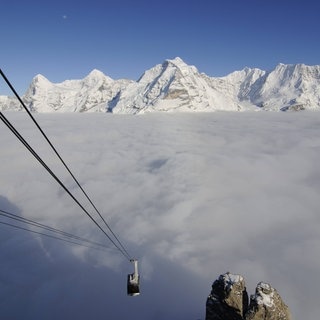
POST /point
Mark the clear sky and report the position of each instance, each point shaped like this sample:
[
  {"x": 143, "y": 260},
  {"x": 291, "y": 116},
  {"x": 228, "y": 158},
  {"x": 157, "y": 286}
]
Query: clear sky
[{"x": 67, "y": 39}]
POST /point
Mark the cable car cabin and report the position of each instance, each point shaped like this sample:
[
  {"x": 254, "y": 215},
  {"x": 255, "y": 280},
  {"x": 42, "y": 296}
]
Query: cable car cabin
[{"x": 133, "y": 283}]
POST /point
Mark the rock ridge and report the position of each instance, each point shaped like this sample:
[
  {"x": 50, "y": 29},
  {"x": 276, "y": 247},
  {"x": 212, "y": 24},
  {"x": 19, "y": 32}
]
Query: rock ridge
[{"x": 228, "y": 300}]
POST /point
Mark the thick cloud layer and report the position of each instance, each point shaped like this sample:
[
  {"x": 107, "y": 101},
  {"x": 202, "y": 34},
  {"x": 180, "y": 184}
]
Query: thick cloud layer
[{"x": 191, "y": 195}]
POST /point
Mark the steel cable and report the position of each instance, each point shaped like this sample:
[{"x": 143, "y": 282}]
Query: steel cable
[
  {"x": 33, "y": 223},
  {"x": 63, "y": 162},
  {"x": 37, "y": 157}
]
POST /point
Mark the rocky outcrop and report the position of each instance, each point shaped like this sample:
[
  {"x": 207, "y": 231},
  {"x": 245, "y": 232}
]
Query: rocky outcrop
[
  {"x": 228, "y": 300},
  {"x": 266, "y": 304}
]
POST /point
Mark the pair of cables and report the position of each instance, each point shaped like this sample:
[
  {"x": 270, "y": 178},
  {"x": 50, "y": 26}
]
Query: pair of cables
[
  {"x": 50, "y": 232},
  {"x": 113, "y": 238}
]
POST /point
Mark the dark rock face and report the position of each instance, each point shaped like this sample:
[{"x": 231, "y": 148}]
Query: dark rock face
[
  {"x": 228, "y": 300},
  {"x": 266, "y": 304}
]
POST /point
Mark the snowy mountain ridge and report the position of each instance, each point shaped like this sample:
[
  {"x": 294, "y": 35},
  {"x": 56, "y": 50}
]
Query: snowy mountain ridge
[{"x": 174, "y": 86}]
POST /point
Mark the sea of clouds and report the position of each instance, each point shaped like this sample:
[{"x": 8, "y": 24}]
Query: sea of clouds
[{"x": 191, "y": 196}]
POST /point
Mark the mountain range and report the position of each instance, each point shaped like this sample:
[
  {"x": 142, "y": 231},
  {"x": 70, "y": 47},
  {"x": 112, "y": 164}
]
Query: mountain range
[{"x": 174, "y": 86}]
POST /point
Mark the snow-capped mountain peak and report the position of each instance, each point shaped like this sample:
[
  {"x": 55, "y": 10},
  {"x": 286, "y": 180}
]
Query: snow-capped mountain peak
[
  {"x": 95, "y": 73},
  {"x": 88, "y": 94},
  {"x": 181, "y": 66},
  {"x": 39, "y": 82},
  {"x": 290, "y": 86},
  {"x": 176, "y": 86},
  {"x": 170, "y": 86},
  {"x": 97, "y": 76},
  {"x": 39, "y": 78}
]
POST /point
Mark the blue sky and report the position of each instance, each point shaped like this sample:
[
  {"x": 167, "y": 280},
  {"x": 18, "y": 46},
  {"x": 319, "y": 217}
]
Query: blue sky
[{"x": 66, "y": 39}]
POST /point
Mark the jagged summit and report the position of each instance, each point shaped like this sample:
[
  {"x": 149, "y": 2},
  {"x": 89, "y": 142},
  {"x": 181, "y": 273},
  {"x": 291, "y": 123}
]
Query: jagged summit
[
  {"x": 171, "y": 86},
  {"x": 97, "y": 75},
  {"x": 174, "y": 86},
  {"x": 88, "y": 94},
  {"x": 40, "y": 78},
  {"x": 228, "y": 300},
  {"x": 184, "y": 68},
  {"x": 176, "y": 61},
  {"x": 40, "y": 81},
  {"x": 264, "y": 295},
  {"x": 229, "y": 280}
]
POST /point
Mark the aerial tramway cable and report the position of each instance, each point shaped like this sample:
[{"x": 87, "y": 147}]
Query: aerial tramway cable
[
  {"x": 33, "y": 223},
  {"x": 49, "y": 235},
  {"x": 123, "y": 249},
  {"x": 24, "y": 142},
  {"x": 133, "y": 282}
]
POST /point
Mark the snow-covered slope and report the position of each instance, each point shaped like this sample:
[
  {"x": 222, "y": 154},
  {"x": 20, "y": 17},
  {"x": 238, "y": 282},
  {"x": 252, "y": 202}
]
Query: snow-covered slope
[
  {"x": 8, "y": 103},
  {"x": 174, "y": 86},
  {"x": 288, "y": 87},
  {"x": 90, "y": 94}
]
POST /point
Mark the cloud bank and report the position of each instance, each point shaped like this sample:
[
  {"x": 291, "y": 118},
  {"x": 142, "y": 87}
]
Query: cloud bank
[{"x": 190, "y": 195}]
